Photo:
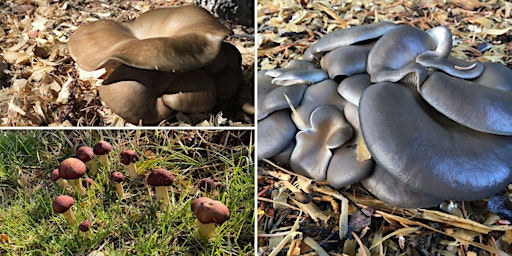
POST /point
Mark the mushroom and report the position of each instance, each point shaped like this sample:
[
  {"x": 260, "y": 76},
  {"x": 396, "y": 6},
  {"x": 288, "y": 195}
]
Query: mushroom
[
  {"x": 428, "y": 152},
  {"x": 348, "y": 36},
  {"x": 227, "y": 75},
  {"x": 161, "y": 178},
  {"x": 208, "y": 213},
  {"x": 275, "y": 132},
  {"x": 129, "y": 158},
  {"x": 495, "y": 76},
  {"x": 55, "y": 177},
  {"x": 85, "y": 227},
  {"x": 473, "y": 105},
  {"x": 102, "y": 149},
  {"x": 352, "y": 87},
  {"x": 62, "y": 204},
  {"x": 87, "y": 182},
  {"x": 292, "y": 65},
  {"x": 319, "y": 94},
  {"x": 86, "y": 155},
  {"x": 312, "y": 153},
  {"x": 346, "y": 61},
  {"x": 165, "y": 39},
  {"x": 272, "y": 98},
  {"x": 300, "y": 76},
  {"x": 117, "y": 178},
  {"x": 73, "y": 169},
  {"x": 206, "y": 184},
  {"x": 149, "y": 96}
]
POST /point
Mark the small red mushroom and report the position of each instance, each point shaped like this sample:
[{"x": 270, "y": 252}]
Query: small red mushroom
[
  {"x": 73, "y": 169},
  {"x": 55, "y": 177},
  {"x": 117, "y": 178},
  {"x": 161, "y": 178},
  {"x": 62, "y": 204},
  {"x": 208, "y": 213},
  {"x": 85, "y": 227},
  {"x": 129, "y": 158},
  {"x": 86, "y": 155},
  {"x": 102, "y": 149},
  {"x": 206, "y": 184}
]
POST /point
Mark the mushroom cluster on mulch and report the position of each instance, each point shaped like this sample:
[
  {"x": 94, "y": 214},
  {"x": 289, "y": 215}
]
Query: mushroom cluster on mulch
[
  {"x": 43, "y": 86},
  {"x": 306, "y": 50}
]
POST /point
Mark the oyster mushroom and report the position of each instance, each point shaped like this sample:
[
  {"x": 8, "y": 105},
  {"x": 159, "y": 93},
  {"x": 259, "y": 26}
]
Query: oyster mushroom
[
  {"x": 274, "y": 133},
  {"x": 347, "y": 36},
  {"x": 428, "y": 152},
  {"x": 165, "y": 39},
  {"x": 352, "y": 87},
  {"x": 473, "y": 105},
  {"x": 312, "y": 153},
  {"x": 346, "y": 61}
]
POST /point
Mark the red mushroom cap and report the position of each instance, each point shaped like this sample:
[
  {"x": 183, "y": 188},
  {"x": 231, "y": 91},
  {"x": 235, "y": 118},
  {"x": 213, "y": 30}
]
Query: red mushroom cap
[
  {"x": 206, "y": 184},
  {"x": 72, "y": 168},
  {"x": 85, "y": 226},
  {"x": 85, "y": 153},
  {"x": 129, "y": 156},
  {"x": 116, "y": 177},
  {"x": 54, "y": 175},
  {"x": 160, "y": 177},
  {"x": 87, "y": 182},
  {"x": 102, "y": 148},
  {"x": 62, "y": 203},
  {"x": 209, "y": 211}
]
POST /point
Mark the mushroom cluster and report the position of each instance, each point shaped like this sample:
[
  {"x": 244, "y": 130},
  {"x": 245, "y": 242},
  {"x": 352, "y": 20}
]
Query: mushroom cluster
[
  {"x": 167, "y": 59},
  {"x": 388, "y": 106}
]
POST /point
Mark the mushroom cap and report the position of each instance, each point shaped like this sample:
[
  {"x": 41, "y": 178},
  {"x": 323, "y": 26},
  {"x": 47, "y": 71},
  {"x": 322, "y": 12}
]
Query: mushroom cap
[
  {"x": 129, "y": 156},
  {"x": 209, "y": 211},
  {"x": 102, "y": 148},
  {"x": 206, "y": 184},
  {"x": 85, "y": 153},
  {"x": 150, "y": 95},
  {"x": 72, "y": 168},
  {"x": 428, "y": 152},
  {"x": 312, "y": 153},
  {"x": 346, "y": 61},
  {"x": 300, "y": 76},
  {"x": 347, "y": 36},
  {"x": 62, "y": 203},
  {"x": 87, "y": 182},
  {"x": 352, "y": 87},
  {"x": 168, "y": 39},
  {"x": 160, "y": 177},
  {"x": 116, "y": 177},
  {"x": 475, "y": 106},
  {"x": 274, "y": 133},
  {"x": 54, "y": 175},
  {"x": 390, "y": 190},
  {"x": 495, "y": 76},
  {"x": 85, "y": 226}
]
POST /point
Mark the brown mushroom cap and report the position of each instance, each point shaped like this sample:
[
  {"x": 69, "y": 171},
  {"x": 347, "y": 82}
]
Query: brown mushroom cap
[
  {"x": 54, "y": 175},
  {"x": 85, "y": 153},
  {"x": 206, "y": 184},
  {"x": 87, "y": 182},
  {"x": 116, "y": 177},
  {"x": 102, "y": 148},
  {"x": 85, "y": 226},
  {"x": 209, "y": 211},
  {"x": 72, "y": 168},
  {"x": 129, "y": 156},
  {"x": 62, "y": 203},
  {"x": 160, "y": 177},
  {"x": 169, "y": 39}
]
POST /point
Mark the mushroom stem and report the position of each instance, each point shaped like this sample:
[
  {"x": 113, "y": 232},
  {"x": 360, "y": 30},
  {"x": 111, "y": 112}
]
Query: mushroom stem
[
  {"x": 93, "y": 167},
  {"x": 162, "y": 194},
  {"x": 65, "y": 184},
  {"x": 70, "y": 216},
  {"x": 79, "y": 188},
  {"x": 132, "y": 170},
  {"x": 205, "y": 231},
  {"x": 119, "y": 189},
  {"x": 104, "y": 160}
]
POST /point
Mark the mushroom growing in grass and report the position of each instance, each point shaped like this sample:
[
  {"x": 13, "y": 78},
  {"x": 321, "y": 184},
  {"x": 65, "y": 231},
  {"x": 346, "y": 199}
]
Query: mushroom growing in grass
[
  {"x": 206, "y": 184},
  {"x": 86, "y": 155},
  {"x": 129, "y": 158},
  {"x": 118, "y": 179},
  {"x": 85, "y": 227},
  {"x": 55, "y": 177},
  {"x": 102, "y": 148},
  {"x": 87, "y": 182},
  {"x": 161, "y": 178},
  {"x": 62, "y": 204},
  {"x": 208, "y": 213},
  {"x": 73, "y": 169}
]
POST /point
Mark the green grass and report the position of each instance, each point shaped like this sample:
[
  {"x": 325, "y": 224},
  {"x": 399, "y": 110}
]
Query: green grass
[{"x": 133, "y": 225}]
